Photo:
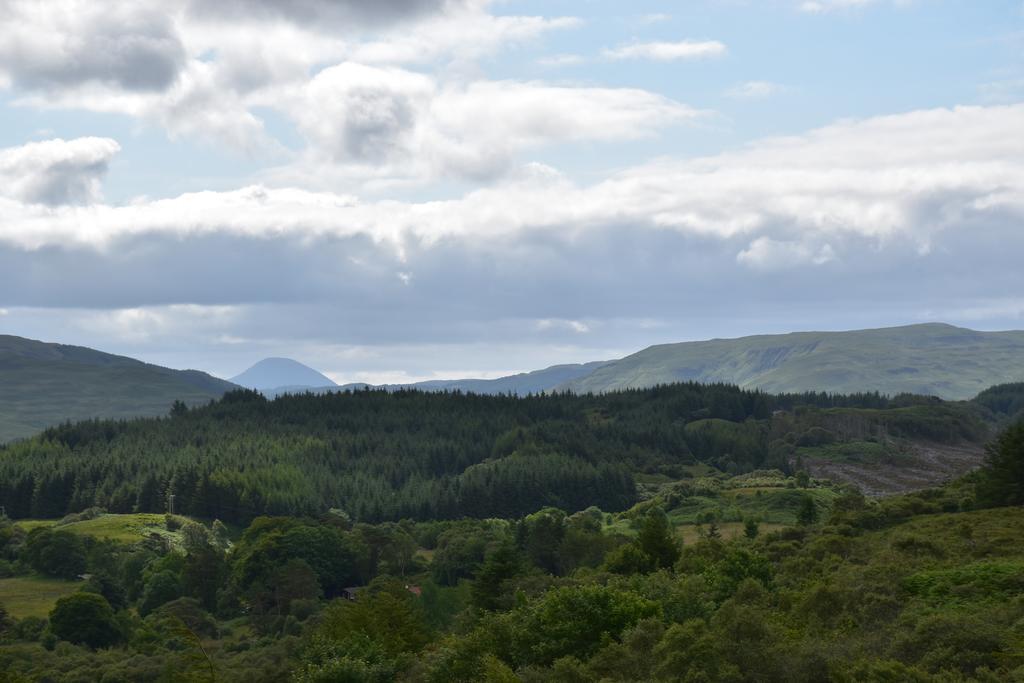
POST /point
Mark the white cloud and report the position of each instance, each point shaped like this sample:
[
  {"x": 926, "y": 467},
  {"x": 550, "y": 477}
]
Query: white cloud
[
  {"x": 147, "y": 323},
  {"x": 907, "y": 178},
  {"x": 823, "y": 6},
  {"x": 56, "y": 171},
  {"x": 752, "y": 90},
  {"x": 397, "y": 123},
  {"x": 202, "y": 70},
  {"x": 560, "y": 60},
  {"x": 464, "y": 35},
  {"x": 576, "y": 326},
  {"x": 66, "y": 43},
  {"x": 667, "y": 52},
  {"x": 765, "y": 253}
]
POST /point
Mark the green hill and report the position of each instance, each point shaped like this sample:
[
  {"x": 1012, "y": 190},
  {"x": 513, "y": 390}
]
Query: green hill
[
  {"x": 44, "y": 384},
  {"x": 932, "y": 359}
]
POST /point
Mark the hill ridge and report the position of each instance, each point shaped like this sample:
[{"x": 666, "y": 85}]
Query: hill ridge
[
  {"x": 931, "y": 358},
  {"x": 46, "y": 383}
]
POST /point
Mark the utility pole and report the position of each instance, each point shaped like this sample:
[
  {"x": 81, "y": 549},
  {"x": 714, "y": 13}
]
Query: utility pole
[{"x": 170, "y": 503}]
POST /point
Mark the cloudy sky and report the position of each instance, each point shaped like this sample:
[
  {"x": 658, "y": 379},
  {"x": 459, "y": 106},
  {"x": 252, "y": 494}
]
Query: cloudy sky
[{"x": 407, "y": 189}]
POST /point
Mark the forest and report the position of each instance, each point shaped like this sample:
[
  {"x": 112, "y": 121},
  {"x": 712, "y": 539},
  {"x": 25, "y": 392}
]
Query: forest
[
  {"x": 922, "y": 587},
  {"x": 386, "y": 456}
]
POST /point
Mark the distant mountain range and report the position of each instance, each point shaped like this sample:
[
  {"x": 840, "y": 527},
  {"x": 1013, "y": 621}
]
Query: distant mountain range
[
  {"x": 277, "y": 375},
  {"x": 44, "y": 384},
  {"x": 931, "y": 359},
  {"x": 522, "y": 384}
]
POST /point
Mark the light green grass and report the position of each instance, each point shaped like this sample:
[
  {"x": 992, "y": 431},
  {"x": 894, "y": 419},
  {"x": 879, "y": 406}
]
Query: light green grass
[
  {"x": 768, "y": 505},
  {"x": 124, "y": 528},
  {"x": 30, "y": 524},
  {"x": 33, "y": 596},
  {"x": 691, "y": 533},
  {"x": 128, "y": 528}
]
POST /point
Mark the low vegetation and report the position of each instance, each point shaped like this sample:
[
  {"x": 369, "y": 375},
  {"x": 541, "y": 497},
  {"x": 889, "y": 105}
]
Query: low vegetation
[{"x": 767, "y": 574}]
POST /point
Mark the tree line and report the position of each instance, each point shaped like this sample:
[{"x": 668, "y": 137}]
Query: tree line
[{"x": 382, "y": 455}]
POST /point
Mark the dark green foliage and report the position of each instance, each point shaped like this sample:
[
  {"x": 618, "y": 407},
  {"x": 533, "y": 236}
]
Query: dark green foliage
[
  {"x": 573, "y": 621},
  {"x": 55, "y": 553},
  {"x": 85, "y": 618},
  {"x": 387, "y": 614},
  {"x": 808, "y": 512},
  {"x": 1005, "y": 400},
  {"x": 270, "y": 543},
  {"x": 540, "y": 535},
  {"x": 462, "y": 547},
  {"x": 204, "y": 573},
  {"x": 490, "y": 588},
  {"x": 108, "y": 586},
  {"x": 751, "y": 528},
  {"x": 1002, "y": 479},
  {"x": 161, "y": 588},
  {"x": 657, "y": 541},
  {"x": 5, "y": 622},
  {"x": 406, "y": 454}
]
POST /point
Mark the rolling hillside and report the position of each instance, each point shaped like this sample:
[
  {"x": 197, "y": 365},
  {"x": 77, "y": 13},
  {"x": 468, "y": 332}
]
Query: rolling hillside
[
  {"x": 934, "y": 359},
  {"x": 43, "y": 384}
]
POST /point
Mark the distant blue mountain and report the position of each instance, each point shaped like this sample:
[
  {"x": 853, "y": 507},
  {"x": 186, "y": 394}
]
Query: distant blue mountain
[{"x": 275, "y": 375}]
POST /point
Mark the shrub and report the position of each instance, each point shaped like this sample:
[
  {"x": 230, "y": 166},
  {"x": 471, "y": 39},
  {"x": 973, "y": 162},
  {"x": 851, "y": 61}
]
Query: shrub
[{"x": 85, "y": 618}]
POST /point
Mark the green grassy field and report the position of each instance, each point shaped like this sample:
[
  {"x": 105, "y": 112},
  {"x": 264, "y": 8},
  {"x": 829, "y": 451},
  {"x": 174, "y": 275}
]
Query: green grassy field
[
  {"x": 31, "y": 596},
  {"x": 129, "y": 528}
]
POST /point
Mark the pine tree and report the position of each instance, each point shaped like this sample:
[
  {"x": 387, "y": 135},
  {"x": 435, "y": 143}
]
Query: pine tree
[
  {"x": 489, "y": 590},
  {"x": 656, "y": 539},
  {"x": 1002, "y": 479},
  {"x": 808, "y": 512}
]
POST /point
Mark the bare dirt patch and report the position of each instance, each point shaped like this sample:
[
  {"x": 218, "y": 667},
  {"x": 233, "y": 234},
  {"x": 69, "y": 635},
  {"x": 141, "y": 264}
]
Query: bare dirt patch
[{"x": 923, "y": 466}]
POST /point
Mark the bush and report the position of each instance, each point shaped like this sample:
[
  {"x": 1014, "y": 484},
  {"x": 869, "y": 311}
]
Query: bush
[
  {"x": 161, "y": 588},
  {"x": 29, "y": 628},
  {"x": 85, "y": 618},
  {"x": 55, "y": 553}
]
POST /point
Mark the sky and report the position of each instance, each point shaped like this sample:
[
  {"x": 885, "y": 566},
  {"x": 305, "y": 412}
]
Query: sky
[{"x": 401, "y": 190}]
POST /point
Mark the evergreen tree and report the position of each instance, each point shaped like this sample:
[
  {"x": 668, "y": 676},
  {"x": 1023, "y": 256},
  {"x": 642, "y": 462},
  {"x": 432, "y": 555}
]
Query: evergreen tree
[
  {"x": 807, "y": 514},
  {"x": 1002, "y": 479},
  {"x": 657, "y": 541},
  {"x": 489, "y": 591}
]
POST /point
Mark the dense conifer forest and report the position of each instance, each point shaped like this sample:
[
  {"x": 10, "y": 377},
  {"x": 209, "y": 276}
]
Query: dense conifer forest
[{"x": 381, "y": 455}]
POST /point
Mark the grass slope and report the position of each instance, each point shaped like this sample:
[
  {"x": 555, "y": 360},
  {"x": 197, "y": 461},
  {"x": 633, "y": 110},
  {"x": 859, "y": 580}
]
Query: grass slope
[
  {"x": 44, "y": 384},
  {"x": 931, "y": 359},
  {"x": 33, "y": 596},
  {"x": 123, "y": 528}
]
